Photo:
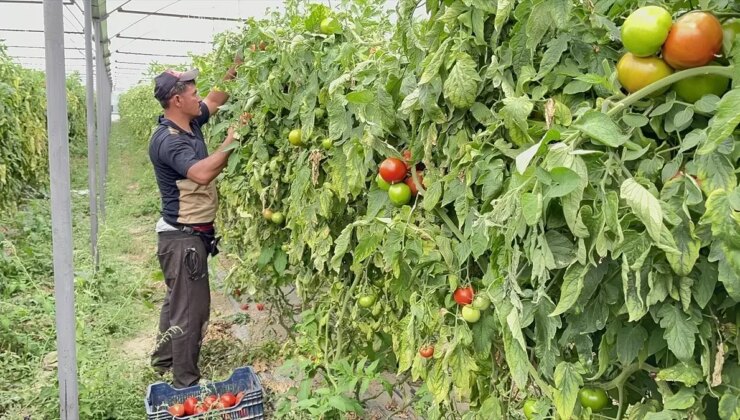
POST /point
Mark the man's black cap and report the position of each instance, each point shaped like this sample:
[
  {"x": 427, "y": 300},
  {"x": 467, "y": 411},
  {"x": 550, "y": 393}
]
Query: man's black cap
[{"x": 164, "y": 83}]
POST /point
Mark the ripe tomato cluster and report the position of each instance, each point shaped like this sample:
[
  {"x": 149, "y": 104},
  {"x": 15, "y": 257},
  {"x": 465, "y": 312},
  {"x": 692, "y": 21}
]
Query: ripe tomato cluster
[
  {"x": 394, "y": 177},
  {"x": 192, "y": 405},
  {"x": 693, "y": 40}
]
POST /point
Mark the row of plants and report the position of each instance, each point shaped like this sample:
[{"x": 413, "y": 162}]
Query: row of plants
[
  {"x": 24, "y": 155},
  {"x": 527, "y": 206}
]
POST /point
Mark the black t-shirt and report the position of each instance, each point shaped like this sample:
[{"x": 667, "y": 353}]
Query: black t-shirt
[{"x": 173, "y": 151}]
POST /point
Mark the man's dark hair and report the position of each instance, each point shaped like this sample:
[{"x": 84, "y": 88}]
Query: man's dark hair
[{"x": 179, "y": 88}]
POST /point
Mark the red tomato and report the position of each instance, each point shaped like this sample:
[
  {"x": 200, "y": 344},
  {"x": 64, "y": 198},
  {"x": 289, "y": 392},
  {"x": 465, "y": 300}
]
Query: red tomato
[
  {"x": 189, "y": 405},
  {"x": 464, "y": 295},
  {"x": 393, "y": 170},
  {"x": 177, "y": 410},
  {"x": 426, "y": 351},
  {"x": 210, "y": 400},
  {"x": 200, "y": 409},
  {"x": 412, "y": 186},
  {"x": 228, "y": 400},
  {"x": 245, "y": 306},
  {"x": 693, "y": 41},
  {"x": 260, "y": 306}
]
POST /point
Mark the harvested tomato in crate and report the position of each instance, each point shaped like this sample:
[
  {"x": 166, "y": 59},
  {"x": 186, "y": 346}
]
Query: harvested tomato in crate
[{"x": 238, "y": 398}]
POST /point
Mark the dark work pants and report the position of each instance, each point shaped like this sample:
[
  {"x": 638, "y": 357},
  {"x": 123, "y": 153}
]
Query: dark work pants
[{"x": 186, "y": 308}]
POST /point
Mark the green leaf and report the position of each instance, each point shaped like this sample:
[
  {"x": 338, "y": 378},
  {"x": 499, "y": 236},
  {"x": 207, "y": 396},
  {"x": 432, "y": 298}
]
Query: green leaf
[
  {"x": 280, "y": 262},
  {"x": 503, "y": 11},
  {"x": 515, "y": 113},
  {"x": 564, "y": 182},
  {"x": 647, "y": 208},
  {"x": 432, "y": 195},
  {"x": 265, "y": 256},
  {"x": 524, "y": 158},
  {"x": 571, "y": 288},
  {"x": 630, "y": 340},
  {"x": 681, "y": 400},
  {"x": 724, "y": 121},
  {"x": 433, "y": 62},
  {"x": 345, "y": 404},
  {"x": 531, "y": 207},
  {"x": 555, "y": 49},
  {"x": 729, "y": 406},
  {"x": 692, "y": 139},
  {"x": 361, "y": 97},
  {"x": 601, "y": 128},
  {"x": 716, "y": 171},
  {"x": 461, "y": 86},
  {"x": 342, "y": 244},
  {"x": 632, "y": 289},
  {"x": 562, "y": 249},
  {"x": 367, "y": 246},
  {"x": 687, "y": 373},
  {"x": 680, "y": 331},
  {"x": 725, "y": 221},
  {"x": 576, "y": 86},
  {"x": 568, "y": 381},
  {"x": 688, "y": 245}
]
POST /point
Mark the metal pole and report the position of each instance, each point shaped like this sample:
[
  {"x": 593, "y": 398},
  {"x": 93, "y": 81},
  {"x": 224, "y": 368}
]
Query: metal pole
[
  {"x": 61, "y": 209},
  {"x": 91, "y": 148},
  {"x": 107, "y": 119},
  {"x": 100, "y": 75}
]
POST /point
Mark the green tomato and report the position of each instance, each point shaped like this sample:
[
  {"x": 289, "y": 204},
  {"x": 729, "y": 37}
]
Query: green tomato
[
  {"x": 319, "y": 113},
  {"x": 645, "y": 30},
  {"x": 593, "y": 398},
  {"x": 470, "y": 314},
  {"x": 330, "y": 26},
  {"x": 277, "y": 218},
  {"x": 366, "y": 301},
  {"x": 382, "y": 184},
  {"x": 295, "y": 137},
  {"x": 529, "y": 409},
  {"x": 693, "y": 88},
  {"x": 400, "y": 194},
  {"x": 481, "y": 302},
  {"x": 327, "y": 143},
  {"x": 634, "y": 73}
]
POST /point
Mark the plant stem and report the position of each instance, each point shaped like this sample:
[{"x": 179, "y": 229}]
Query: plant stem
[{"x": 667, "y": 81}]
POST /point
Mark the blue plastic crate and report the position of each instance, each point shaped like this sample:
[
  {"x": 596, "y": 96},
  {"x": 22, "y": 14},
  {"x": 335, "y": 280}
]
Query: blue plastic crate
[{"x": 161, "y": 395}]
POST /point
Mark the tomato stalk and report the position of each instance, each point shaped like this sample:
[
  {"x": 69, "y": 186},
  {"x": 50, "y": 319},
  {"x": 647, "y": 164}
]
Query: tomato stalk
[{"x": 727, "y": 71}]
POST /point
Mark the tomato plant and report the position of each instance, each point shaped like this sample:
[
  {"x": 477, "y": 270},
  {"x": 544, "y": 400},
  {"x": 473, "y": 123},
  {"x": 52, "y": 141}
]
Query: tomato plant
[
  {"x": 392, "y": 170},
  {"x": 544, "y": 186},
  {"x": 694, "y": 40},
  {"x": 593, "y": 398},
  {"x": 645, "y": 30},
  {"x": 635, "y": 73}
]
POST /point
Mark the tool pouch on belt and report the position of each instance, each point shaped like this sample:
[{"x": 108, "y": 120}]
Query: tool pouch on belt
[{"x": 209, "y": 238}]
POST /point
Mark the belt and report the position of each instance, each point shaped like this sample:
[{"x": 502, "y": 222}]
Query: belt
[{"x": 196, "y": 228}]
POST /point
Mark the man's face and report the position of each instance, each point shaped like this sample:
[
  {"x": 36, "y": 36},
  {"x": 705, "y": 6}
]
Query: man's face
[{"x": 188, "y": 102}]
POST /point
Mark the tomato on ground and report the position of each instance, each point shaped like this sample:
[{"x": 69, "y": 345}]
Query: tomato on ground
[
  {"x": 634, "y": 73},
  {"x": 694, "y": 40}
]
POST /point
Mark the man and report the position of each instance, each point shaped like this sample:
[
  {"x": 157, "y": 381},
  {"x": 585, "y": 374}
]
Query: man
[{"x": 185, "y": 174}]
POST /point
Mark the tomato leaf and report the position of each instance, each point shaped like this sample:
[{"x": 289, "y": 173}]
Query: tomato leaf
[
  {"x": 571, "y": 288},
  {"x": 564, "y": 181},
  {"x": 724, "y": 121},
  {"x": 361, "y": 97},
  {"x": 461, "y": 86},
  {"x": 680, "y": 331},
  {"x": 688, "y": 245},
  {"x": 687, "y": 373},
  {"x": 568, "y": 381},
  {"x": 729, "y": 406},
  {"x": 648, "y": 210},
  {"x": 630, "y": 340},
  {"x": 601, "y": 128}
]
